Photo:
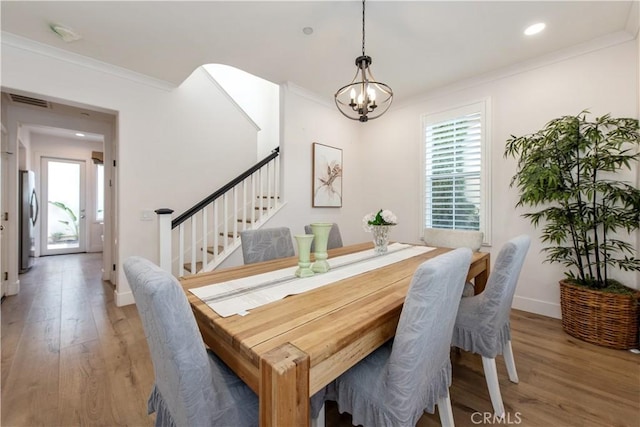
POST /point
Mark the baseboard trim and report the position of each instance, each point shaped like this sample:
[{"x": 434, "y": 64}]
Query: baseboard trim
[
  {"x": 13, "y": 288},
  {"x": 124, "y": 298},
  {"x": 531, "y": 305}
]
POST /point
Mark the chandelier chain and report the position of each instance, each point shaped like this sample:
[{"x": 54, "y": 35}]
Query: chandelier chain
[{"x": 363, "y": 27}]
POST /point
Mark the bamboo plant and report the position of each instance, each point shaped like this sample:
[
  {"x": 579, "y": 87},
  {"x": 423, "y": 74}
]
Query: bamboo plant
[{"x": 566, "y": 172}]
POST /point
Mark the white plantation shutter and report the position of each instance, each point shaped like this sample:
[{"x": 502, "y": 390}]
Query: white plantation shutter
[{"x": 454, "y": 186}]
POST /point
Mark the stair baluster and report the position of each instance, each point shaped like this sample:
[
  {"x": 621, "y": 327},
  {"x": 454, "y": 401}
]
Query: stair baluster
[{"x": 201, "y": 224}]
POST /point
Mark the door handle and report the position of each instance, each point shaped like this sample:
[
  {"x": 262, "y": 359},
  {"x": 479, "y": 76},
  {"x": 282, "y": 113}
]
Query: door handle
[
  {"x": 34, "y": 200},
  {"x": 82, "y": 216},
  {"x": 1, "y": 227}
]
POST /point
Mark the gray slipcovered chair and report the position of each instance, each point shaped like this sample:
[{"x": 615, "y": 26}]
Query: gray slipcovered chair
[
  {"x": 265, "y": 244},
  {"x": 335, "y": 239},
  {"x": 445, "y": 238},
  {"x": 192, "y": 386},
  {"x": 482, "y": 323},
  {"x": 395, "y": 384}
]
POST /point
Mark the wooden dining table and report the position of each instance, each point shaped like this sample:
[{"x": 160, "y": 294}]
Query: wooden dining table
[{"x": 288, "y": 350}]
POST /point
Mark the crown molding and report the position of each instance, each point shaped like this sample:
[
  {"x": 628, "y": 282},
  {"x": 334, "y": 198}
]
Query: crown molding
[
  {"x": 306, "y": 93},
  {"x": 18, "y": 42},
  {"x": 600, "y": 43}
]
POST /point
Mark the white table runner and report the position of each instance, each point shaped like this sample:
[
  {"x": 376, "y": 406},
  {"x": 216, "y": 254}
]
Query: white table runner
[{"x": 240, "y": 295}]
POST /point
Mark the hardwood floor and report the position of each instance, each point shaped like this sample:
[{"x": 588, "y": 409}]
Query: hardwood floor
[{"x": 71, "y": 357}]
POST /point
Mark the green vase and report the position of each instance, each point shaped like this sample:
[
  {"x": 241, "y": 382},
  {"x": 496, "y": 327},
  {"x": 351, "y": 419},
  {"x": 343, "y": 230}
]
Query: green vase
[
  {"x": 321, "y": 232},
  {"x": 304, "y": 255}
]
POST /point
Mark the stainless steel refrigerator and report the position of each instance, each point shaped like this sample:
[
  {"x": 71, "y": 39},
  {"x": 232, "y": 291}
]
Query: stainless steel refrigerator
[{"x": 28, "y": 216}]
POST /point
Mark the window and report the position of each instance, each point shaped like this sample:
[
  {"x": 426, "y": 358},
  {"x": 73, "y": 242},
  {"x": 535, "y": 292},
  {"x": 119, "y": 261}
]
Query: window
[
  {"x": 99, "y": 192},
  {"x": 457, "y": 169}
]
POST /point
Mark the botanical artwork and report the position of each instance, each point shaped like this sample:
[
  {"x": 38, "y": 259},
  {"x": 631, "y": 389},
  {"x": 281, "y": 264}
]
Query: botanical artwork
[{"x": 327, "y": 176}]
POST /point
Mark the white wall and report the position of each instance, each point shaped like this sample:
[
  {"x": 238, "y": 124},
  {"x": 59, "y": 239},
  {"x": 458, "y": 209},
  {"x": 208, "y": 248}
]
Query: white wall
[
  {"x": 167, "y": 138},
  {"x": 259, "y": 98},
  {"x": 307, "y": 119},
  {"x": 523, "y": 101}
]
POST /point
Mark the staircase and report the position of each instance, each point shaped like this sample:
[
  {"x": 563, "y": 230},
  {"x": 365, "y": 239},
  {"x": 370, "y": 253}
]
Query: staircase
[{"x": 205, "y": 235}]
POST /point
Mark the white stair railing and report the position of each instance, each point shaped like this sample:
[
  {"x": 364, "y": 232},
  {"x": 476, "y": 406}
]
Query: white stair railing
[{"x": 244, "y": 203}]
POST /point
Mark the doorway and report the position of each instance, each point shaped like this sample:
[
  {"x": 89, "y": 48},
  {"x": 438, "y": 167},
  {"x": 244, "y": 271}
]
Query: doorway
[
  {"x": 55, "y": 132},
  {"x": 4, "y": 179},
  {"x": 63, "y": 206}
]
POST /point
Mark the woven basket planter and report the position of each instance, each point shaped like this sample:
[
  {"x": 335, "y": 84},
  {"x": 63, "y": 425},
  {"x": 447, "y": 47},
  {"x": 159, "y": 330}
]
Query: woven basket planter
[{"x": 606, "y": 319}]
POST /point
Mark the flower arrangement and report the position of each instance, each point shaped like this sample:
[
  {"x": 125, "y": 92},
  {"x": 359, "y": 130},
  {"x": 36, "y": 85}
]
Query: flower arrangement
[{"x": 383, "y": 217}]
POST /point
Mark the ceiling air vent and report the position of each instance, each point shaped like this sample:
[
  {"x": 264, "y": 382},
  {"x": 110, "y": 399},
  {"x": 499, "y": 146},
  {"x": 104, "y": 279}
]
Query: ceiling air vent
[{"x": 35, "y": 102}]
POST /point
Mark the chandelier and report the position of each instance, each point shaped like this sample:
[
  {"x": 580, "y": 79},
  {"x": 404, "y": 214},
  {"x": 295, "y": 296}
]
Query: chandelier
[{"x": 364, "y": 98}]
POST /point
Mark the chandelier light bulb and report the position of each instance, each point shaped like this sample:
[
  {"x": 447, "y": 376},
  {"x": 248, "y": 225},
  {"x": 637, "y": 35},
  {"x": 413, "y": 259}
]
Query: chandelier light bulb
[{"x": 372, "y": 94}]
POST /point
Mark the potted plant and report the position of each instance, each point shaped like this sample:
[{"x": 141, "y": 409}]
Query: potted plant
[
  {"x": 566, "y": 172},
  {"x": 71, "y": 224},
  {"x": 379, "y": 225}
]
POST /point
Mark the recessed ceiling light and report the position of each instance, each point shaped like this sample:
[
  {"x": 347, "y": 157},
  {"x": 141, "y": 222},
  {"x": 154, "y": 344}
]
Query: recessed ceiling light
[
  {"x": 65, "y": 33},
  {"x": 535, "y": 28},
  {"x": 79, "y": 134},
  {"x": 307, "y": 30}
]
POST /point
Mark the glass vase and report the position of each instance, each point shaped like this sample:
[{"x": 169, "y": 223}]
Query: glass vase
[{"x": 380, "y": 238}]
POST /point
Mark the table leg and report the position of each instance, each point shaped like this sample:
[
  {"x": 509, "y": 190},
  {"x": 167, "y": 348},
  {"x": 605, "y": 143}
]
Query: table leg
[
  {"x": 480, "y": 281},
  {"x": 284, "y": 387}
]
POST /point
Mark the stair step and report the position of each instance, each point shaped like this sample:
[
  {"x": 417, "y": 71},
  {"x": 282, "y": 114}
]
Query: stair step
[
  {"x": 267, "y": 206},
  {"x": 187, "y": 266},
  {"x": 210, "y": 249}
]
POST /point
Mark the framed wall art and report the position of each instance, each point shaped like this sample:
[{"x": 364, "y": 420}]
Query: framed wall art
[{"x": 327, "y": 176}]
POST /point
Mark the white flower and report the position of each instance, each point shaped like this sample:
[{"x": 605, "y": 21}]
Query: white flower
[
  {"x": 382, "y": 217},
  {"x": 365, "y": 221},
  {"x": 389, "y": 217}
]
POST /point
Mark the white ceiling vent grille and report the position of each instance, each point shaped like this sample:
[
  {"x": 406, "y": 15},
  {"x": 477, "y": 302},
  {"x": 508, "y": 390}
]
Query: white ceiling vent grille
[{"x": 35, "y": 102}]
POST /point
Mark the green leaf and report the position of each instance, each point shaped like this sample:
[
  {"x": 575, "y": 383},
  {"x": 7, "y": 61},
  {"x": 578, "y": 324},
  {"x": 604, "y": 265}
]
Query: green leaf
[{"x": 564, "y": 174}]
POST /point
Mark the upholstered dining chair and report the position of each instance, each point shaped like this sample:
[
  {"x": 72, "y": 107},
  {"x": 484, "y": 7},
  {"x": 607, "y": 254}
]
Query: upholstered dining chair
[
  {"x": 265, "y": 244},
  {"x": 335, "y": 238},
  {"x": 482, "y": 323},
  {"x": 445, "y": 238},
  {"x": 395, "y": 384},
  {"x": 192, "y": 386}
]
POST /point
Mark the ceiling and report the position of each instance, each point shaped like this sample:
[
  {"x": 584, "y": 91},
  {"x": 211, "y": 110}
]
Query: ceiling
[
  {"x": 64, "y": 133},
  {"x": 59, "y": 109},
  {"x": 416, "y": 46}
]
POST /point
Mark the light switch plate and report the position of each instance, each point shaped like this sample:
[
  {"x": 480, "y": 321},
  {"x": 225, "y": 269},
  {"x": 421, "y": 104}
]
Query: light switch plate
[{"x": 147, "y": 216}]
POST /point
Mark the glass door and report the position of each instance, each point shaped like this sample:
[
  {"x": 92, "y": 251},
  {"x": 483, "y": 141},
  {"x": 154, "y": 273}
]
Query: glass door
[{"x": 63, "y": 206}]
